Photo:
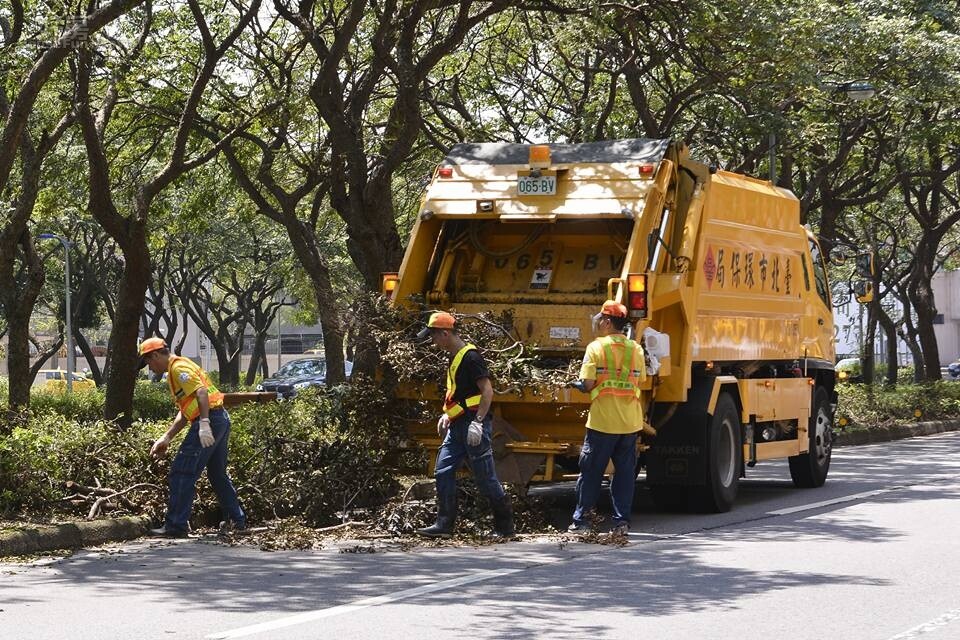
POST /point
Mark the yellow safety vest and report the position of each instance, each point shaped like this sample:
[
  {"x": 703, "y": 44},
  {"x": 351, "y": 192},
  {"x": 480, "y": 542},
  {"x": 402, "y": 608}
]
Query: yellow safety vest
[
  {"x": 189, "y": 406},
  {"x": 451, "y": 407},
  {"x": 614, "y": 380}
]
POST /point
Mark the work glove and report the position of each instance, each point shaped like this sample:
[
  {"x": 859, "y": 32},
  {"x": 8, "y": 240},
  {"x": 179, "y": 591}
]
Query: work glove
[
  {"x": 474, "y": 433},
  {"x": 206, "y": 434},
  {"x": 442, "y": 425},
  {"x": 578, "y": 385}
]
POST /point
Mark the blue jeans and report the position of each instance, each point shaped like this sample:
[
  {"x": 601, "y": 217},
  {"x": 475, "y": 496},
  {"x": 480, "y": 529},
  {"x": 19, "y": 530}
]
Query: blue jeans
[
  {"x": 190, "y": 462},
  {"x": 453, "y": 451},
  {"x": 598, "y": 449}
]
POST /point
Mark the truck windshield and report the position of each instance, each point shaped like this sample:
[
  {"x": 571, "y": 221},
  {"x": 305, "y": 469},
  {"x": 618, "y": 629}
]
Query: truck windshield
[{"x": 820, "y": 274}]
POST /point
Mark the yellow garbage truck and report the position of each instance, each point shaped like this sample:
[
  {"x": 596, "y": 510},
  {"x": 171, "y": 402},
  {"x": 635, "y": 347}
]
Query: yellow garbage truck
[{"x": 725, "y": 288}]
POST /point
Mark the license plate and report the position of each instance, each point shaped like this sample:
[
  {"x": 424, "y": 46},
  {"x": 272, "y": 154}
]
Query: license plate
[{"x": 542, "y": 186}]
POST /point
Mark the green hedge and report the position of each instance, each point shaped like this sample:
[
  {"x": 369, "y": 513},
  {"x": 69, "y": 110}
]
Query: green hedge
[
  {"x": 868, "y": 406},
  {"x": 321, "y": 454}
]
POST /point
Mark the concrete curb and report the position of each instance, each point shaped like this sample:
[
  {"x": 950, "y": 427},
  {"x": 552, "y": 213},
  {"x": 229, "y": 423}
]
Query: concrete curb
[
  {"x": 894, "y": 432},
  {"x": 72, "y": 536}
]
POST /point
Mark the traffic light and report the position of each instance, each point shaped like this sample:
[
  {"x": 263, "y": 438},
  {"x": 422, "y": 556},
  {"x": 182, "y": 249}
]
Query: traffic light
[
  {"x": 863, "y": 289},
  {"x": 865, "y": 266}
]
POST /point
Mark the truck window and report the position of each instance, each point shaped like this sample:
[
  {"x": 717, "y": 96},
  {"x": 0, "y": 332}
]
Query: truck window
[{"x": 819, "y": 273}]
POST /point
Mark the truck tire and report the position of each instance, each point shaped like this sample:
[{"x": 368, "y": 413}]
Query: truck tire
[
  {"x": 809, "y": 470},
  {"x": 724, "y": 452}
]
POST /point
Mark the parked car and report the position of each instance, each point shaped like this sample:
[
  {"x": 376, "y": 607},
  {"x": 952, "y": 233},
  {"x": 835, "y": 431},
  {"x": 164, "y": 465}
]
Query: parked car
[
  {"x": 954, "y": 369},
  {"x": 297, "y": 375},
  {"x": 55, "y": 380},
  {"x": 849, "y": 370}
]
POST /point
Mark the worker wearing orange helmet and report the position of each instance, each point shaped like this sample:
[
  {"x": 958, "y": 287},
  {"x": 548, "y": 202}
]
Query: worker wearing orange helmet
[
  {"x": 466, "y": 427},
  {"x": 613, "y": 368},
  {"x": 200, "y": 406}
]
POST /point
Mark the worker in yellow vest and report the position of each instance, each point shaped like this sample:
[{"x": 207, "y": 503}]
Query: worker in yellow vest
[
  {"x": 613, "y": 368},
  {"x": 205, "y": 445},
  {"x": 466, "y": 427}
]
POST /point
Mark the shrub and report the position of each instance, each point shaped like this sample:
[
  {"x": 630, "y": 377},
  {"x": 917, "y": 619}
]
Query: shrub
[
  {"x": 869, "y": 406},
  {"x": 322, "y": 454},
  {"x": 45, "y": 450}
]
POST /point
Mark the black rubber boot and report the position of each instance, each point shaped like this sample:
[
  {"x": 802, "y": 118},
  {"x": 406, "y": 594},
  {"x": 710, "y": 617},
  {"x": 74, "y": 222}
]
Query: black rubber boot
[
  {"x": 446, "y": 518},
  {"x": 502, "y": 518}
]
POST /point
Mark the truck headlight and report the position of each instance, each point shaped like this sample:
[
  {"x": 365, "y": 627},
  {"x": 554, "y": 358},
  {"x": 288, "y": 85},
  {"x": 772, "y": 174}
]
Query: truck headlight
[
  {"x": 301, "y": 385},
  {"x": 259, "y": 387}
]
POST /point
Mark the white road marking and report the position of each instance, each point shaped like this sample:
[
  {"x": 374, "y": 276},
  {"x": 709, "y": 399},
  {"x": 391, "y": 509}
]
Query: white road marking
[
  {"x": 827, "y": 503},
  {"x": 317, "y": 614},
  {"x": 309, "y": 616},
  {"x": 926, "y": 627}
]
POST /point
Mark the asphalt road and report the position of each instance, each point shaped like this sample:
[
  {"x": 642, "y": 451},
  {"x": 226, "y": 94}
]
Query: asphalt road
[{"x": 873, "y": 555}]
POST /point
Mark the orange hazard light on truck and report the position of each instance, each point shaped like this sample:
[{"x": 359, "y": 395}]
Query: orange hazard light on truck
[
  {"x": 637, "y": 295},
  {"x": 388, "y": 283},
  {"x": 539, "y": 155}
]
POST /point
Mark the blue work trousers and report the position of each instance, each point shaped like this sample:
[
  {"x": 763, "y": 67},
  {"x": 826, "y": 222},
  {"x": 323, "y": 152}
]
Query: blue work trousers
[
  {"x": 598, "y": 449},
  {"x": 455, "y": 449},
  {"x": 189, "y": 463}
]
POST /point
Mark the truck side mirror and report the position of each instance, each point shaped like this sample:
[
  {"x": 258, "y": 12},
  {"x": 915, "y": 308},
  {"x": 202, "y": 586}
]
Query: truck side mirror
[
  {"x": 863, "y": 290},
  {"x": 865, "y": 266}
]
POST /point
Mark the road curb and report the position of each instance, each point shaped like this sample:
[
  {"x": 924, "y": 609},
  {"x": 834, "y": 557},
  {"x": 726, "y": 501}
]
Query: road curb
[
  {"x": 894, "y": 432},
  {"x": 72, "y": 536}
]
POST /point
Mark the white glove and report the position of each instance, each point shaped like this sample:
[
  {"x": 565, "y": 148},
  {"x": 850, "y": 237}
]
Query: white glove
[
  {"x": 442, "y": 425},
  {"x": 474, "y": 433},
  {"x": 206, "y": 435}
]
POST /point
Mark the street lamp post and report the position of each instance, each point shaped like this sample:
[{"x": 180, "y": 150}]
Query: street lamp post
[
  {"x": 69, "y": 337},
  {"x": 856, "y": 90}
]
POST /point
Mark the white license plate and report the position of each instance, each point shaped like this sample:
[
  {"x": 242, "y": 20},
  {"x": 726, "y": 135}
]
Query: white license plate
[
  {"x": 542, "y": 186},
  {"x": 565, "y": 333}
]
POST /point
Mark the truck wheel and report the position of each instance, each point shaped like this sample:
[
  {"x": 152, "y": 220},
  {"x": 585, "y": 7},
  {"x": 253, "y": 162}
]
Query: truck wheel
[
  {"x": 724, "y": 450},
  {"x": 809, "y": 470}
]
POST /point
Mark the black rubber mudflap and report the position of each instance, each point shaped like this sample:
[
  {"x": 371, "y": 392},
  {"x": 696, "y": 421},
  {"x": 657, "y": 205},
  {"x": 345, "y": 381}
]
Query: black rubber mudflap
[{"x": 678, "y": 455}]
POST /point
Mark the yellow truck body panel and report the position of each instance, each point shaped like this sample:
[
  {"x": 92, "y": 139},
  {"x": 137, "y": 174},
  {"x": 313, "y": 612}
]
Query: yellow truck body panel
[{"x": 734, "y": 280}]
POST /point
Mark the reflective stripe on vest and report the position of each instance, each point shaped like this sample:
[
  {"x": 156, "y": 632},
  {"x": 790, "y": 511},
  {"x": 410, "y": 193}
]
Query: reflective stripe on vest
[
  {"x": 614, "y": 381},
  {"x": 190, "y": 406},
  {"x": 451, "y": 407}
]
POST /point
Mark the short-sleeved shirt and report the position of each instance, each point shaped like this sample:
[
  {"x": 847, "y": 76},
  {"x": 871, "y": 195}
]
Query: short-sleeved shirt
[
  {"x": 185, "y": 380},
  {"x": 609, "y": 413},
  {"x": 472, "y": 368}
]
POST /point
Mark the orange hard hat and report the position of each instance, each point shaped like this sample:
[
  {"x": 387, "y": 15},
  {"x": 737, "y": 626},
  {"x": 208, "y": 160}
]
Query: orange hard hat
[
  {"x": 437, "y": 320},
  {"x": 148, "y": 346}
]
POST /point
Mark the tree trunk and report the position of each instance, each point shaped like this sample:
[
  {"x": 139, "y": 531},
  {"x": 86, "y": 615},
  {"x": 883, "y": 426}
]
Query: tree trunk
[
  {"x": 867, "y": 364},
  {"x": 921, "y": 297},
  {"x": 18, "y": 306},
  {"x": 890, "y": 331},
  {"x": 122, "y": 374},
  {"x": 259, "y": 356}
]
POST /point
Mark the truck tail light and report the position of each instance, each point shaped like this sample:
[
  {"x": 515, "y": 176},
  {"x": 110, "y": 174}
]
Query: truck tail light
[
  {"x": 646, "y": 170},
  {"x": 637, "y": 295},
  {"x": 388, "y": 283},
  {"x": 445, "y": 172}
]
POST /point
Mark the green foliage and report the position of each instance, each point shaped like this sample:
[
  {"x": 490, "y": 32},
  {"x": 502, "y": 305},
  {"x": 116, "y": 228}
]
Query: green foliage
[
  {"x": 151, "y": 401},
  {"x": 866, "y": 406},
  {"x": 47, "y": 449},
  {"x": 319, "y": 456}
]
